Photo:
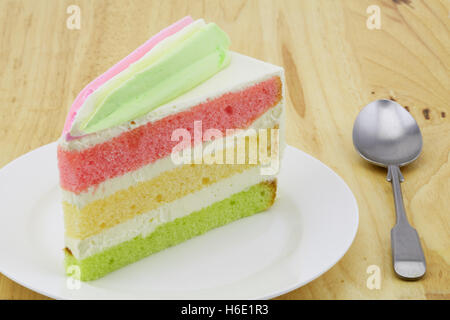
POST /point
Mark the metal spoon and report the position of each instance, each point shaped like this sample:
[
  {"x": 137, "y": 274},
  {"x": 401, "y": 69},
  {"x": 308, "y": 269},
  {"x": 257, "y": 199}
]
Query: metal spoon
[{"x": 386, "y": 134}]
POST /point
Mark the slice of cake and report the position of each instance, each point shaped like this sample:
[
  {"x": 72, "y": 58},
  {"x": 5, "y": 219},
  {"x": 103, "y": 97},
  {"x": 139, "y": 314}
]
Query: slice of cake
[{"x": 180, "y": 137}]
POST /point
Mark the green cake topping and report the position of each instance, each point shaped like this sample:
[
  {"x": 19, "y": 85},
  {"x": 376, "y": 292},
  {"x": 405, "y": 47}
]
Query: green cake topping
[{"x": 177, "y": 66}]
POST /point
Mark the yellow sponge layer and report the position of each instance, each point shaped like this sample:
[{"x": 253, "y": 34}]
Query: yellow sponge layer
[{"x": 144, "y": 196}]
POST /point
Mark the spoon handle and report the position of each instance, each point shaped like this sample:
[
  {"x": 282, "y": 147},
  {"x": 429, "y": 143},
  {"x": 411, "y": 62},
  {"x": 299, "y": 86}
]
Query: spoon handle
[{"x": 407, "y": 253}]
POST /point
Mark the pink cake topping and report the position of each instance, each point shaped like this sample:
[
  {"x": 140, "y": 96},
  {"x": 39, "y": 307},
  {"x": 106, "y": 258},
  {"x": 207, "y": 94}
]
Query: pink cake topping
[{"x": 119, "y": 67}]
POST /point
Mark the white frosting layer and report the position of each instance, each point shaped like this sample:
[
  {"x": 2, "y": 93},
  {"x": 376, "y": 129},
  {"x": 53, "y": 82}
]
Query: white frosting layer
[
  {"x": 268, "y": 120},
  {"x": 242, "y": 73},
  {"x": 146, "y": 223}
]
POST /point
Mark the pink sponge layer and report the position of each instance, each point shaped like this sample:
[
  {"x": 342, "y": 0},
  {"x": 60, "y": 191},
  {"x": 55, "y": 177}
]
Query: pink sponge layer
[{"x": 145, "y": 144}]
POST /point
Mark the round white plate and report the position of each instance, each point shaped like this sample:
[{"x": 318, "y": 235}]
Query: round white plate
[{"x": 305, "y": 233}]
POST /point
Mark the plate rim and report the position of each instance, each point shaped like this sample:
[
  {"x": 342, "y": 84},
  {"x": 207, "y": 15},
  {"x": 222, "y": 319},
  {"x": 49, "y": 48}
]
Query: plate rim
[{"x": 355, "y": 231}]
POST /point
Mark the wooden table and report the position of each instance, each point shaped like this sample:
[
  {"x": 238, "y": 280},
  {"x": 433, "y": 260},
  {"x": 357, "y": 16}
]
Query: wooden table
[{"x": 334, "y": 66}]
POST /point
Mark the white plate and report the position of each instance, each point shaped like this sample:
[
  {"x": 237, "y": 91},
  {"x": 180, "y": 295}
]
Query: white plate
[{"x": 305, "y": 233}]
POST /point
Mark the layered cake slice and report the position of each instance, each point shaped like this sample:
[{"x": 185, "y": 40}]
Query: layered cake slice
[{"x": 180, "y": 137}]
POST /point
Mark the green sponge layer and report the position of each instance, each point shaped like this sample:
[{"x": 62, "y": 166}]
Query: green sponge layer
[{"x": 243, "y": 204}]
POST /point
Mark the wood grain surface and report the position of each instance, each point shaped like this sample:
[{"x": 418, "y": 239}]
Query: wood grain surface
[{"x": 334, "y": 66}]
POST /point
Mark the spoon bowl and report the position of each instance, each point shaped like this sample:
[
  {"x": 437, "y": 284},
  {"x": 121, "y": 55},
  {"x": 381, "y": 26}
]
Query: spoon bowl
[{"x": 386, "y": 134}]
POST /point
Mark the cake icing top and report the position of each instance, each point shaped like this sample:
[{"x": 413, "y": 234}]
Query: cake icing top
[{"x": 171, "y": 63}]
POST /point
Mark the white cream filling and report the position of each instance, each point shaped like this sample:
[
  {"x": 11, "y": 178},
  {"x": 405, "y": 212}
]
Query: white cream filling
[
  {"x": 144, "y": 224},
  {"x": 269, "y": 119},
  {"x": 243, "y": 72}
]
